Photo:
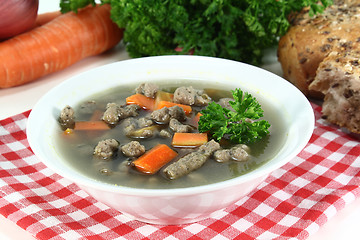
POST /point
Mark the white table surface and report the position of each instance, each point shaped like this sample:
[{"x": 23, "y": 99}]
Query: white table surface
[{"x": 344, "y": 225}]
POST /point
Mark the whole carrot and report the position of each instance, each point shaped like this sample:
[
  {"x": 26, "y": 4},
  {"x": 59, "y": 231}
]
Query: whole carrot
[
  {"x": 44, "y": 18},
  {"x": 57, "y": 45}
]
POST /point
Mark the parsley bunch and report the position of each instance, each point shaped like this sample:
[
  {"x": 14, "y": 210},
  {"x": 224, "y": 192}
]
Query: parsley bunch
[
  {"x": 237, "y": 124},
  {"x": 235, "y": 29}
]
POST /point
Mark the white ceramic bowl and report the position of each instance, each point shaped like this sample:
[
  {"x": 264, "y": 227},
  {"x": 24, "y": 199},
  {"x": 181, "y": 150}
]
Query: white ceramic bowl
[{"x": 172, "y": 206}]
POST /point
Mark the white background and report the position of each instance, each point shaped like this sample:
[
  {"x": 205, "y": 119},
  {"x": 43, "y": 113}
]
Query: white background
[{"x": 344, "y": 225}]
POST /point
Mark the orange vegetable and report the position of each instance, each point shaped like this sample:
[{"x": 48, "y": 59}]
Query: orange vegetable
[
  {"x": 44, "y": 18},
  {"x": 161, "y": 104},
  {"x": 91, "y": 125},
  {"x": 154, "y": 159},
  {"x": 57, "y": 45},
  {"x": 189, "y": 139},
  {"x": 163, "y": 96},
  {"x": 96, "y": 116},
  {"x": 195, "y": 119},
  {"x": 141, "y": 100},
  {"x": 68, "y": 131},
  {"x": 69, "y": 135}
]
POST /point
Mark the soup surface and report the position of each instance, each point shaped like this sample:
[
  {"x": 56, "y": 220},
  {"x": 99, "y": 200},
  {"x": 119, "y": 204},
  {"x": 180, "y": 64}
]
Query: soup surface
[{"x": 78, "y": 147}]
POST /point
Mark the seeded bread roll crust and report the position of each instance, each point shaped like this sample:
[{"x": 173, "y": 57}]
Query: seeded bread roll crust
[
  {"x": 338, "y": 78},
  {"x": 310, "y": 39}
]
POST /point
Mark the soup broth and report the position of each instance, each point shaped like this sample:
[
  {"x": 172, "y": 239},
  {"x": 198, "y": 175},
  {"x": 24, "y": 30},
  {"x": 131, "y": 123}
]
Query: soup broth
[{"x": 78, "y": 148}]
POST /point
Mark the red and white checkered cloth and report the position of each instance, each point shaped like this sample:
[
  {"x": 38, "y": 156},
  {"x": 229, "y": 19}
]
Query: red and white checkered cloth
[{"x": 291, "y": 204}]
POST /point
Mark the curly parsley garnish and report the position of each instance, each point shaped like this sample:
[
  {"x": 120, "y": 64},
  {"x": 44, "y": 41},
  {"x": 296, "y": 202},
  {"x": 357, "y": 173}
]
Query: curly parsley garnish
[{"x": 238, "y": 124}]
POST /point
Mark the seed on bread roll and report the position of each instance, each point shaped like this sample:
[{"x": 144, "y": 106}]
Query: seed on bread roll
[
  {"x": 310, "y": 39},
  {"x": 338, "y": 78}
]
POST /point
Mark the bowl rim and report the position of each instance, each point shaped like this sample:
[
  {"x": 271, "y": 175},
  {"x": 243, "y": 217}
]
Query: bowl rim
[{"x": 257, "y": 173}]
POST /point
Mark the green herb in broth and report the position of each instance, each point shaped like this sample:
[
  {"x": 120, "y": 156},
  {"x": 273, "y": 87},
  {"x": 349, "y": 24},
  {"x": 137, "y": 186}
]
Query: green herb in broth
[
  {"x": 239, "y": 122},
  {"x": 79, "y": 150}
]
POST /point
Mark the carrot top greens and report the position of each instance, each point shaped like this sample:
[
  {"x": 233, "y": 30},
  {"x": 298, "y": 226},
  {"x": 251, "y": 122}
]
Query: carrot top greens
[
  {"x": 234, "y": 29},
  {"x": 238, "y": 123}
]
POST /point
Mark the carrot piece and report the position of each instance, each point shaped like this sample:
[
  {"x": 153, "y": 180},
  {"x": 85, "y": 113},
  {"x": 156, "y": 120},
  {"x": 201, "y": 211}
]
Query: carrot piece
[
  {"x": 189, "y": 139},
  {"x": 163, "y": 96},
  {"x": 96, "y": 116},
  {"x": 195, "y": 119},
  {"x": 141, "y": 100},
  {"x": 69, "y": 131},
  {"x": 161, "y": 104},
  {"x": 154, "y": 159},
  {"x": 57, "y": 45},
  {"x": 91, "y": 125},
  {"x": 69, "y": 135}
]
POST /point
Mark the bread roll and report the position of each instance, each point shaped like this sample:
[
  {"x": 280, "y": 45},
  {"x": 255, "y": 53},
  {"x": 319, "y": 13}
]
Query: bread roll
[
  {"x": 338, "y": 78},
  {"x": 310, "y": 39}
]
